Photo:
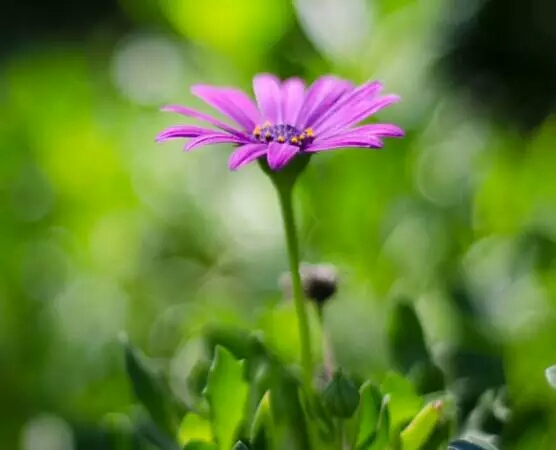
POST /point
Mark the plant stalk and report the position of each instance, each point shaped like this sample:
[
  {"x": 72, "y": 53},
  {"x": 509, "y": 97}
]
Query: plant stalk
[{"x": 286, "y": 206}]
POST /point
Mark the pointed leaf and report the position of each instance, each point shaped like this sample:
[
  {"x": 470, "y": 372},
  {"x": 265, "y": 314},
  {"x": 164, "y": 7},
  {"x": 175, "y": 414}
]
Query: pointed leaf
[
  {"x": 239, "y": 445},
  {"x": 290, "y": 420},
  {"x": 368, "y": 412},
  {"x": 226, "y": 393},
  {"x": 317, "y": 414},
  {"x": 194, "y": 428},
  {"x": 147, "y": 388},
  {"x": 406, "y": 338},
  {"x": 261, "y": 433},
  {"x": 417, "y": 433},
  {"x": 404, "y": 401},
  {"x": 380, "y": 439}
]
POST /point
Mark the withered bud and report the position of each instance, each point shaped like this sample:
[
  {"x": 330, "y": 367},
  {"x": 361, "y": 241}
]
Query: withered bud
[{"x": 320, "y": 282}]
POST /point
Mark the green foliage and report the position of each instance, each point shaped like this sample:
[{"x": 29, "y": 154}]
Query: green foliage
[
  {"x": 420, "y": 429},
  {"x": 448, "y": 238},
  {"x": 403, "y": 401},
  {"x": 151, "y": 390},
  {"x": 287, "y": 414},
  {"x": 407, "y": 340},
  {"x": 368, "y": 414},
  {"x": 200, "y": 445},
  {"x": 261, "y": 430},
  {"x": 226, "y": 392}
]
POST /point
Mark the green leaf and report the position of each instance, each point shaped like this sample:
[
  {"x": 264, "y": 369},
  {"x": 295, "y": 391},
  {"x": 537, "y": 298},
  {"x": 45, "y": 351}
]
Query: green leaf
[
  {"x": 200, "y": 445},
  {"x": 280, "y": 330},
  {"x": 318, "y": 415},
  {"x": 406, "y": 338},
  {"x": 440, "y": 436},
  {"x": 226, "y": 394},
  {"x": 235, "y": 340},
  {"x": 404, "y": 401},
  {"x": 194, "y": 428},
  {"x": 380, "y": 438},
  {"x": 148, "y": 431},
  {"x": 290, "y": 421},
  {"x": 258, "y": 373},
  {"x": 119, "y": 430},
  {"x": 148, "y": 389},
  {"x": 417, "y": 433},
  {"x": 427, "y": 377},
  {"x": 261, "y": 432},
  {"x": 268, "y": 373},
  {"x": 197, "y": 379},
  {"x": 368, "y": 412}
]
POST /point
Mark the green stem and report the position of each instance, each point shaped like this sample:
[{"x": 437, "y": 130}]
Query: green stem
[
  {"x": 285, "y": 197},
  {"x": 340, "y": 428}
]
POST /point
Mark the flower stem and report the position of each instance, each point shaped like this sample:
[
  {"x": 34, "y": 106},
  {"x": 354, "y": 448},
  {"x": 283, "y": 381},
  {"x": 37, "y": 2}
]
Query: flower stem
[
  {"x": 285, "y": 197},
  {"x": 341, "y": 431}
]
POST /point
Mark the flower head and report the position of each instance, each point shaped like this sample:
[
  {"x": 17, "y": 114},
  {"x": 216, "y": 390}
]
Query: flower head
[{"x": 287, "y": 119}]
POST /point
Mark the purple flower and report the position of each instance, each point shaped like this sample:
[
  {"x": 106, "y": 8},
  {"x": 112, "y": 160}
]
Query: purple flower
[{"x": 287, "y": 119}]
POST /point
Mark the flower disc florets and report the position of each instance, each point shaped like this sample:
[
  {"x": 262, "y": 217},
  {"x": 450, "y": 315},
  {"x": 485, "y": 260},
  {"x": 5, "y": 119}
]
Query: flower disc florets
[{"x": 282, "y": 133}]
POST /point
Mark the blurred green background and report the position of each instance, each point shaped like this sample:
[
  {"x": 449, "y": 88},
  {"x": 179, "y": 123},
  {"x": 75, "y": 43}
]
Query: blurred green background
[{"x": 104, "y": 231}]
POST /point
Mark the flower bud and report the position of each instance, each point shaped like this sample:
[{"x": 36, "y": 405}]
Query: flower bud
[
  {"x": 341, "y": 396},
  {"x": 320, "y": 282}
]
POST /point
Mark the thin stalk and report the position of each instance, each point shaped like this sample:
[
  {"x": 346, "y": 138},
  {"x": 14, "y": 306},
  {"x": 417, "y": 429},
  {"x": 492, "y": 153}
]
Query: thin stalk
[{"x": 285, "y": 197}]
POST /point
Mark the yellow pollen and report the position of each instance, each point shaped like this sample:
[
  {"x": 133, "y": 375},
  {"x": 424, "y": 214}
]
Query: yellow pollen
[
  {"x": 281, "y": 139},
  {"x": 294, "y": 140},
  {"x": 268, "y": 135},
  {"x": 267, "y": 124},
  {"x": 257, "y": 131},
  {"x": 309, "y": 132}
]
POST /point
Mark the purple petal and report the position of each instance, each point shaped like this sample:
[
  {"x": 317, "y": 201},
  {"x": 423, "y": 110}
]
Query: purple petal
[
  {"x": 184, "y": 111},
  {"x": 353, "y": 141},
  {"x": 231, "y": 102},
  {"x": 375, "y": 129},
  {"x": 280, "y": 154},
  {"x": 267, "y": 91},
  {"x": 345, "y": 105},
  {"x": 181, "y": 131},
  {"x": 359, "y": 113},
  {"x": 322, "y": 94},
  {"x": 215, "y": 138},
  {"x": 293, "y": 95},
  {"x": 382, "y": 130},
  {"x": 246, "y": 154}
]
